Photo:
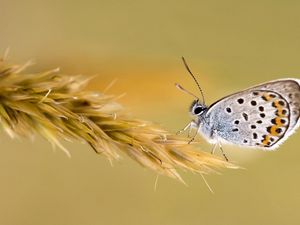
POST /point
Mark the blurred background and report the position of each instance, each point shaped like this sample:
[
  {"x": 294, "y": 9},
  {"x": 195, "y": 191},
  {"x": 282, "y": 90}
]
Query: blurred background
[{"x": 230, "y": 45}]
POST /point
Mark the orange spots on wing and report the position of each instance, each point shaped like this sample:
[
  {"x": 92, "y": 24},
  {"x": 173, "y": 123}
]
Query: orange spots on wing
[
  {"x": 276, "y": 104},
  {"x": 268, "y": 96},
  {"x": 278, "y": 121},
  {"x": 281, "y": 110},
  {"x": 266, "y": 140},
  {"x": 274, "y": 131}
]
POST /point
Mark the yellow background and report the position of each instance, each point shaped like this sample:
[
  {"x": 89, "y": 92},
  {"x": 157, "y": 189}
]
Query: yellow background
[{"x": 230, "y": 45}]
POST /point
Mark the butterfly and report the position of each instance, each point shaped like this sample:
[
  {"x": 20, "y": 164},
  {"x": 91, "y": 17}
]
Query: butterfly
[{"x": 263, "y": 116}]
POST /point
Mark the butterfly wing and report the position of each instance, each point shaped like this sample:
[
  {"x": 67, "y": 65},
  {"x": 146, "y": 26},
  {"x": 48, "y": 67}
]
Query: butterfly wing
[{"x": 261, "y": 116}]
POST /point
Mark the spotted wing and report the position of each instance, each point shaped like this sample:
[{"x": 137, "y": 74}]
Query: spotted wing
[
  {"x": 289, "y": 89},
  {"x": 262, "y": 116}
]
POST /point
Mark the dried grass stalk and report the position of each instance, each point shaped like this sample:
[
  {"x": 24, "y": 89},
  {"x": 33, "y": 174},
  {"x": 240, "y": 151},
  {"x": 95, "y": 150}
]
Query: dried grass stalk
[{"x": 55, "y": 106}]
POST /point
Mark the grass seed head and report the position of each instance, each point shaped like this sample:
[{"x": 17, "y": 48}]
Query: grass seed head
[{"x": 57, "y": 107}]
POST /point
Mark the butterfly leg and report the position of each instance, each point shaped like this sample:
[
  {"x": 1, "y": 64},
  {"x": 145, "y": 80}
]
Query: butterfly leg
[
  {"x": 198, "y": 128},
  {"x": 213, "y": 149},
  {"x": 223, "y": 153},
  {"x": 187, "y": 127},
  {"x": 218, "y": 143}
]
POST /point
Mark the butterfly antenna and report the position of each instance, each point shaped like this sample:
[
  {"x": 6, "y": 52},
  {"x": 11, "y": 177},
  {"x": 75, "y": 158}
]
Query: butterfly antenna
[
  {"x": 190, "y": 72},
  {"x": 185, "y": 91}
]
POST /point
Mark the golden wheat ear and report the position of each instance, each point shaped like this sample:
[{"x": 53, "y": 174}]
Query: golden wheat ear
[{"x": 56, "y": 107}]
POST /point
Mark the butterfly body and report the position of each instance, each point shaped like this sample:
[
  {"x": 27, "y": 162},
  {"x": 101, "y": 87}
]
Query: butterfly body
[{"x": 263, "y": 116}]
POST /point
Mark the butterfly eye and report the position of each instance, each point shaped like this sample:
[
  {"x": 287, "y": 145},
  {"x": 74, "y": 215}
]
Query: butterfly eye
[{"x": 198, "y": 110}]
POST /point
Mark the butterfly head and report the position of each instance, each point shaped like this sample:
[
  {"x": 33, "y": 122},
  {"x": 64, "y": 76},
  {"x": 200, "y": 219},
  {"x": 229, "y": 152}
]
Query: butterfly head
[{"x": 197, "y": 108}]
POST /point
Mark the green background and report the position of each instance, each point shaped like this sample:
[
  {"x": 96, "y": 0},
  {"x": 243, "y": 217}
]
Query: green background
[{"x": 230, "y": 45}]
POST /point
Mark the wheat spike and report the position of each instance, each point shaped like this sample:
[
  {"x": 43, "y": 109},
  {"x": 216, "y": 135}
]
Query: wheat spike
[{"x": 57, "y": 107}]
